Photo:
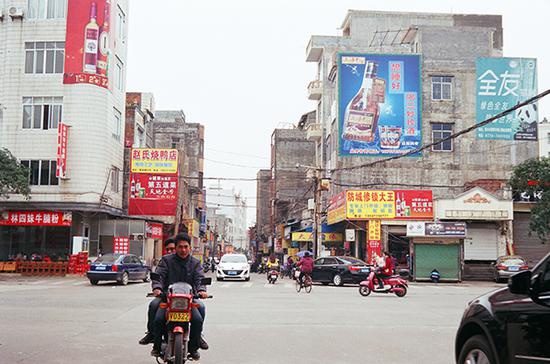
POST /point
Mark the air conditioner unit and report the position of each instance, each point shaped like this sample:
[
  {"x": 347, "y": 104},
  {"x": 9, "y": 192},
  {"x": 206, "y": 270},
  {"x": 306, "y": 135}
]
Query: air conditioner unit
[{"x": 15, "y": 12}]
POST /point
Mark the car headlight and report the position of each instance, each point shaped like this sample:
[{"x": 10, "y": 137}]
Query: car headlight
[{"x": 179, "y": 303}]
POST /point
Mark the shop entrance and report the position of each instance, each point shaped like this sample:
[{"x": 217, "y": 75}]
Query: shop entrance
[{"x": 399, "y": 248}]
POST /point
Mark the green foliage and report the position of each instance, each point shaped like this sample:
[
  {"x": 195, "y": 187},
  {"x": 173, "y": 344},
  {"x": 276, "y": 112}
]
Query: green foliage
[
  {"x": 14, "y": 178},
  {"x": 533, "y": 177}
]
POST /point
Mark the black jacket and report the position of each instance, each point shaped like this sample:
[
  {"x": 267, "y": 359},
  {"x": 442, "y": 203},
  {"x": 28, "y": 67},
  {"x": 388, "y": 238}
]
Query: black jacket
[{"x": 172, "y": 269}]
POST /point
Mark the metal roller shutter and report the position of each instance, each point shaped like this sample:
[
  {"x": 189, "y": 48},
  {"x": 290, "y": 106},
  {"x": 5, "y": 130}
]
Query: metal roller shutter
[
  {"x": 443, "y": 257},
  {"x": 481, "y": 242},
  {"x": 529, "y": 247}
]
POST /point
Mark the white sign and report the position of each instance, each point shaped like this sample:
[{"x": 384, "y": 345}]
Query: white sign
[
  {"x": 416, "y": 228},
  {"x": 350, "y": 234}
]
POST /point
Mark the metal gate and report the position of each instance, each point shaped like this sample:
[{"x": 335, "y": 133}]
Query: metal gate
[
  {"x": 529, "y": 247},
  {"x": 443, "y": 257}
]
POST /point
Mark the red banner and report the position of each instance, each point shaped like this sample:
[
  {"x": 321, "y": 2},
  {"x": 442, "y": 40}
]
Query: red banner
[
  {"x": 374, "y": 242},
  {"x": 413, "y": 204},
  {"x": 36, "y": 218},
  {"x": 62, "y": 138},
  {"x": 153, "y": 230},
  {"x": 153, "y": 194},
  {"x": 87, "y": 42},
  {"x": 121, "y": 245}
]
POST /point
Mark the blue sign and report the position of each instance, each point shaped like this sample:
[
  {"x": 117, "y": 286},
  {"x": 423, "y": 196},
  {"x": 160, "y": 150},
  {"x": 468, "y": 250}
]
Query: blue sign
[
  {"x": 502, "y": 83},
  {"x": 380, "y": 99}
]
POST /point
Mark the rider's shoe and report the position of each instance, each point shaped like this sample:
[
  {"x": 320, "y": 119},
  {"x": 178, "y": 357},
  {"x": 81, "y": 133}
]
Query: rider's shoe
[
  {"x": 203, "y": 344},
  {"x": 194, "y": 355},
  {"x": 155, "y": 352},
  {"x": 147, "y": 339}
]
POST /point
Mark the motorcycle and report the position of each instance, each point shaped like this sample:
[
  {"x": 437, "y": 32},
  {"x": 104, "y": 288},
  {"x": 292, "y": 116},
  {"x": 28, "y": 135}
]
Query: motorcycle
[
  {"x": 393, "y": 284},
  {"x": 178, "y": 302},
  {"x": 206, "y": 266},
  {"x": 272, "y": 276}
]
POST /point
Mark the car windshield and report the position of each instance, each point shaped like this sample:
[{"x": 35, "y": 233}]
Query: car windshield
[
  {"x": 350, "y": 260},
  {"x": 234, "y": 259},
  {"x": 107, "y": 258},
  {"x": 513, "y": 261}
]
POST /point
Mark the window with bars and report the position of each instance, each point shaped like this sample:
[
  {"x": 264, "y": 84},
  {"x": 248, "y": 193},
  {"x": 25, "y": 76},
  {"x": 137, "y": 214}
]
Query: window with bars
[
  {"x": 442, "y": 87},
  {"x": 47, "y": 9},
  {"x": 441, "y": 131},
  {"x": 44, "y": 57},
  {"x": 42, "y": 112},
  {"x": 41, "y": 172}
]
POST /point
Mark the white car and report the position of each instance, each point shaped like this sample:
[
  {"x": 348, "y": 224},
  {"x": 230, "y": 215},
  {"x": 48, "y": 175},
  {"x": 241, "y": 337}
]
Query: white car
[{"x": 233, "y": 266}]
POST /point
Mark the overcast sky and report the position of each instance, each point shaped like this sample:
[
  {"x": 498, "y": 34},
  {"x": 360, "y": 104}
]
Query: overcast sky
[{"x": 238, "y": 67}]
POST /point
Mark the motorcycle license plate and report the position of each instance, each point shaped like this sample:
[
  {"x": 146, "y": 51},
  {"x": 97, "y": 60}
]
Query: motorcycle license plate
[{"x": 179, "y": 316}]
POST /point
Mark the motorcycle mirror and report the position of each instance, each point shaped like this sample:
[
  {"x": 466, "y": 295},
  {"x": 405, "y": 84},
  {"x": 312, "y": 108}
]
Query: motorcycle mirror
[
  {"x": 206, "y": 281},
  {"x": 155, "y": 276}
]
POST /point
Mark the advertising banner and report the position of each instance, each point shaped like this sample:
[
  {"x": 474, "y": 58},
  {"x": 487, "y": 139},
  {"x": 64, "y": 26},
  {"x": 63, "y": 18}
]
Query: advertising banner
[
  {"x": 153, "y": 230},
  {"x": 500, "y": 84},
  {"x": 36, "y": 218},
  {"x": 337, "y": 208},
  {"x": 411, "y": 204},
  {"x": 121, "y": 245},
  {"x": 391, "y": 204},
  {"x": 307, "y": 236},
  {"x": 439, "y": 229},
  {"x": 158, "y": 161},
  {"x": 374, "y": 241},
  {"x": 379, "y": 99},
  {"x": 62, "y": 139},
  {"x": 88, "y": 43},
  {"x": 153, "y": 194}
]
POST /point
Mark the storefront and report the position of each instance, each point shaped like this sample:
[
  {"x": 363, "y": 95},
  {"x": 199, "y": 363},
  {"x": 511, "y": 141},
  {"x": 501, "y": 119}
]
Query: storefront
[
  {"x": 332, "y": 243},
  {"x": 527, "y": 244}
]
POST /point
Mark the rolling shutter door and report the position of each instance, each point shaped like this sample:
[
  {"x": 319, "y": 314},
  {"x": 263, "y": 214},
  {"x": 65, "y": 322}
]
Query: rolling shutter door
[
  {"x": 529, "y": 247},
  {"x": 481, "y": 242},
  {"x": 443, "y": 257}
]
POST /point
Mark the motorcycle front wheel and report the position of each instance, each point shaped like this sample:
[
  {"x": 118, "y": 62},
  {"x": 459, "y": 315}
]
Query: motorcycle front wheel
[
  {"x": 179, "y": 357},
  {"x": 364, "y": 291}
]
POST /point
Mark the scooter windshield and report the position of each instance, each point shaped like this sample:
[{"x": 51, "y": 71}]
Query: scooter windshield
[{"x": 180, "y": 287}]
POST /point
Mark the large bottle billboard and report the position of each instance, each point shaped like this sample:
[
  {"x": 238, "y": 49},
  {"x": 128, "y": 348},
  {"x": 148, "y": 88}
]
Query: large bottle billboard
[
  {"x": 379, "y": 104},
  {"x": 88, "y": 43}
]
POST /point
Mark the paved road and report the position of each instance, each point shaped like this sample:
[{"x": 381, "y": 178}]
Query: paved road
[{"x": 65, "y": 320}]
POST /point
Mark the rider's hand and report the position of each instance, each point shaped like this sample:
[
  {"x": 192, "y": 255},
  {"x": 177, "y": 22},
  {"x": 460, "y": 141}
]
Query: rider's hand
[
  {"x": 157, "y": 292},
  {"x": 203, "y": 294}
]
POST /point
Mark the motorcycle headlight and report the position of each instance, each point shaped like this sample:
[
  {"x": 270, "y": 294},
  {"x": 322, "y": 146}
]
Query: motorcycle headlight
[{"x": 180, "y": 303}]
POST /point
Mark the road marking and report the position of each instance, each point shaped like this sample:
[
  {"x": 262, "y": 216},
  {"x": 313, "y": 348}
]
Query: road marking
[
  {"x": 61, "y": 282},
  {"x": 268, "y": 285},
  {"x": 81, "y": 283},
  {"x": 38, "y": 282},
  {"x": 225, "y": 285}
]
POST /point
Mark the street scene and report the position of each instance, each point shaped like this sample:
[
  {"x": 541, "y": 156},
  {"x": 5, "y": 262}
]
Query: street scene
[{"x": 238, "y": 181}]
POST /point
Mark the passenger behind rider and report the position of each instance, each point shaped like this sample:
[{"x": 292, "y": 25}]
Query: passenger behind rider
[
  {"x": 306, "y": 266},
  {"x": 385, "y": 269}
]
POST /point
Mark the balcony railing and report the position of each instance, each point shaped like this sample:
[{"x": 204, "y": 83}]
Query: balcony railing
[{"x": 315, "y": 90}]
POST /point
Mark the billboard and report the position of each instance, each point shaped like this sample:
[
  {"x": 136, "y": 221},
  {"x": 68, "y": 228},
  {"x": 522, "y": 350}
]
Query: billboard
[
  {"x": 379, "y": 104},
  {"x": 158, "y": 161},
  {"x": 121, "y": 245},
  {"x": 153, "y": 195},
  {"x": 438, "y": 229},
  {"x": 374, "y": 242},
  {"x": 502, "y": 83},
  {"x": 88, "y": 44},
  {"x": 36, "y": 218},
  {"x": 337, "y": 208}
]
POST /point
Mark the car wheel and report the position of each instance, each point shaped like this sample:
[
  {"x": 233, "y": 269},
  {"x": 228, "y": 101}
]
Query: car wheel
[
  {"x": 147, "y": 277},
  {"x": 247, "y": 279},
  {"x": 93, "y": 282},
  {"x": 219, "y": 279},
  {"x": 476, "y": 351},
  {"x": 337, "y": 280},
  {"x": 124, "y": 279}
]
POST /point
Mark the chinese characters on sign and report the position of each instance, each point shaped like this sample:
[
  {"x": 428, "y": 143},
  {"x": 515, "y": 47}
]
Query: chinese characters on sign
[
  {"x": 62, "y": 131},
  {"x": 413, "y": 204},
  {"x": 159, "y": 161},
  {"x": 152, "y": 194},
  {"x": 379, "y": 104},
  {"x": 153, "y": 230},
  {"x": 438, "y": 229},
  {"x": 501, "y": 84},
  {"x": 374, "y": 242},
  {"x": 121, "y": 245},
  {"x": 307, "y": 236},
  {"x": 370, "y": 204},
  {"x": 337, "y": 208},
  {"x": 36, "y": 218}
]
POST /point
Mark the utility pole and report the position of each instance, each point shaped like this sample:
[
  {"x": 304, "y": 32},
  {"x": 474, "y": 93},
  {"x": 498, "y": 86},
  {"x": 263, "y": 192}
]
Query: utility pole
[{"x": 316, "y": 213}]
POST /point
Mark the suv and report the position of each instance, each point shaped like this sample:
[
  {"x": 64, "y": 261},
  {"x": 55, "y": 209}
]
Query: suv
[{"x": 509, "y": 325}]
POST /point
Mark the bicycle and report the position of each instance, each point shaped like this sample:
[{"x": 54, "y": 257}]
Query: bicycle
[{"x": 306, "y": 283}]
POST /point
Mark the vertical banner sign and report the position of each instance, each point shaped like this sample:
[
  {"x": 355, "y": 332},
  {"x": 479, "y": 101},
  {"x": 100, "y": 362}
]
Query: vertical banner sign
[
  {"x": 88, "y": 44},
  {"x": 153, "y": 230},
  {"x": 374, "y": 242},
  {"x": 502, "y": 83},
  {"x": 379, "y": 99},
  {"x": 121, "y": 245},
  {"x": 62, "y": 139}
]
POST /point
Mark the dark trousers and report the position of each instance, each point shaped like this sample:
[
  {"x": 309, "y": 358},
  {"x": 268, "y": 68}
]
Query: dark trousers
[
  {"x": 154, "y": 306},
  {"x": 197, "y": 320}
]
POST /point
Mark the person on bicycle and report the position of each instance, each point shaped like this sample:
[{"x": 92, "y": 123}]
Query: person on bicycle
[
  {"x": 289, "y": 266},
  {"x": 306, "y": 266}
]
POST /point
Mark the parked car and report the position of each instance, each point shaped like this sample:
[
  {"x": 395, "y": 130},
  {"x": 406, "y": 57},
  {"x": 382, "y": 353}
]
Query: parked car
[
  {"x": 339, "y": 270},
  {"x": 508, "y": 265},
  {"x": 234, "y": 267},
  {"x": 511, "y": 324},
  {"x": 118, "y": 267}
]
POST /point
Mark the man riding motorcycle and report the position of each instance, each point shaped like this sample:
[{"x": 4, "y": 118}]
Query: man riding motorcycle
[
  {"x": 179, "y": 267},
  {"x": 273, "y": 263}
]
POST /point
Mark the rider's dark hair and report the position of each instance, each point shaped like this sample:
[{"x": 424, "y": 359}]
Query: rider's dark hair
[
  {"x": 169, "y": 241},
  {"x": 182, "y": 237}
]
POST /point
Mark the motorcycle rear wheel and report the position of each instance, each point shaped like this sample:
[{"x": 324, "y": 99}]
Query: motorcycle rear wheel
[
  {"x": 401, "y": 293},
  {"x": 179, "y": 358},
  {"x": 364, "y": 291}
]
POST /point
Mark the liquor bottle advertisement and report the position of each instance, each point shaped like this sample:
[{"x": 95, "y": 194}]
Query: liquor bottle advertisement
[
  {"x": 88, "y": 43},
  {"x": 152, "y": 194},
  {"x": 379, "y": 109}
]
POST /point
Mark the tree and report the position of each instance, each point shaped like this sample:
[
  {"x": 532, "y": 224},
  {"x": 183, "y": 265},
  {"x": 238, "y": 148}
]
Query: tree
[
  {"x": 532, "y": 178},
  {"x": 14, "y": 177}
]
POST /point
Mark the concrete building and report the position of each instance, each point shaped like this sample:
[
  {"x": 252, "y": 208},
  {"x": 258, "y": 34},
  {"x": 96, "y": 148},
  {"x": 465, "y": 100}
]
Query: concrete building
[
  {"x": 263, "y": 203},
  {"x": 544, "y": 138},
  {"x": 34, "y": 99},
  {"x": 449, "y": 45}
]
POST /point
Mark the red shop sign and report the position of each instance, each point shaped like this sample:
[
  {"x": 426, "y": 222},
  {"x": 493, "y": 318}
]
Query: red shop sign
[
  {"x": 121, "y": 245},
  {"x": 62, "y": 139},
  {"x": 152, "y": 194},
  {"x": 36, "y": 218},
  {"x": 413, "y": 204},
  {"x": 153, "y": 230}
]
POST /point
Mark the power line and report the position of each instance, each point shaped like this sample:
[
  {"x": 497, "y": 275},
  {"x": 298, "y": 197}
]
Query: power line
[{"x": 239, "y": 154}]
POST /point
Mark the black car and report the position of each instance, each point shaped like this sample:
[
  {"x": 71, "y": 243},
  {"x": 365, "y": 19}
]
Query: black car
[
  {"x": 339, "y": 270},
  {"x": 509, "y": 325},
  {"x": 118, "y": 267}
]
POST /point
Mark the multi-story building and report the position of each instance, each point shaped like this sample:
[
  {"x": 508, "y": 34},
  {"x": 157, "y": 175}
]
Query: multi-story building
[
  {"x": 232, "y": 206},
  {"x": 263, "y": 200},
  {"x": 46, "y": 78},
  {"x": 449, "y": 46},
  {"x": 544, "y": 138}
]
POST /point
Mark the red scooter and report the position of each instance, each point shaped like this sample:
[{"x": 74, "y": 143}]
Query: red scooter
[{"x": 393, "y": 284}]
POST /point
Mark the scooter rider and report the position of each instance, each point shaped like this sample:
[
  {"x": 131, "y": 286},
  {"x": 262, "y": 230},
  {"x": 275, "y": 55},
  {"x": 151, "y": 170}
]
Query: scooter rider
[
  {"x": 179, "y": 267},
  {"x": 272, "y": 263},
  {"x": 385, "y": 269},
  {"x": 306, "y": 266}
]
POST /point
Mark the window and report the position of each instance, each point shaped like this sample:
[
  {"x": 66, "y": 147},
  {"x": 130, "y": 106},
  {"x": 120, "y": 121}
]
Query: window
[
  {"x": 115, "y": 173},
  {"x": 442, "y": 88},
  {"x": 548, "y": 135},
  {"x": 119, "y": 74},
  {"x": 175, "y": 142},
  {"x": 121, "y": 22},
  {"x": 41, "y": 172},
  {"x": 47, "y": 9},
  {"x": 42, "y": 112},
  {"x": 117, "y": 124},
  {"x": 139, "y": 138},
  {"x": 441, "y": 131},
  {"x": 44, "y": 57}
]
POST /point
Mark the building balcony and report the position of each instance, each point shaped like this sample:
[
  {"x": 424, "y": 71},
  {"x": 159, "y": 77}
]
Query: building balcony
[
  {"x": 315, "y": 90},
  {"x": 314, "y": 132}
]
